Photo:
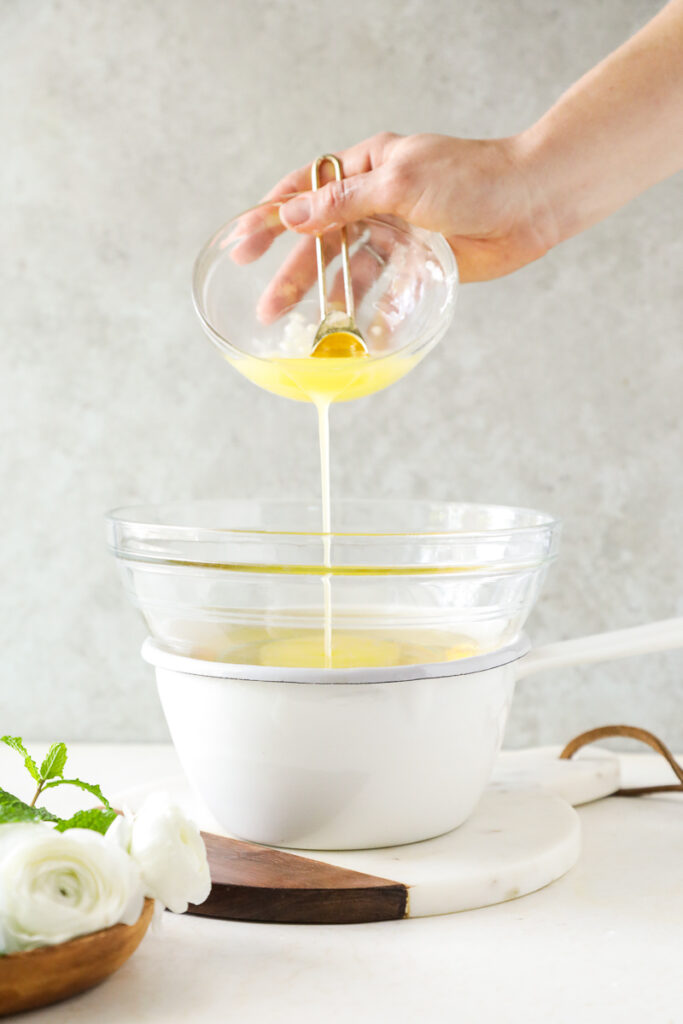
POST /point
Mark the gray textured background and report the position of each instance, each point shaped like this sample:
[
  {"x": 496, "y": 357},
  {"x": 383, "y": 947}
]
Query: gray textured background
[{"x": 129, "y": 132}]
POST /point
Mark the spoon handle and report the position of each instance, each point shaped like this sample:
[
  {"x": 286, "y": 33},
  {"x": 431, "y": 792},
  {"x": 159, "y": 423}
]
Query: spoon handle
[{"x": 320, "y": 255}]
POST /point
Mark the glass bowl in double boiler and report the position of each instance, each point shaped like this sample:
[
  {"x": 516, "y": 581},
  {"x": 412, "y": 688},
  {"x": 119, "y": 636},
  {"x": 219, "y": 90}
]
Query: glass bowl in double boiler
[{"x": 397, "y": 583}]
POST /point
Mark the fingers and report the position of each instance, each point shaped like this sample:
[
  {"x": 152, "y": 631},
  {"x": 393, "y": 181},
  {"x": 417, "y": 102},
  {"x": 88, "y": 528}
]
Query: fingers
[
  {"x": 254, "y": 233},
  {"x": 366, "y": 265},
  {"x": 292, "y": 281},
  {"x": 299, "y": 273},
  {"x": 339, "y": 202},
  {"x": 264, "y": 223},
  {"x": 373, "y": 263},
  {"x": 358, "y": 159},
  {"x": 258, "y": 228}
]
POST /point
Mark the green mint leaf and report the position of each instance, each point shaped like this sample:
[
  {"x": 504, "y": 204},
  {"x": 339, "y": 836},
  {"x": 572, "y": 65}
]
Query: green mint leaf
[
  {"x": 12, "y": 809},
  {"x": 54, "y": 762},
  {"x": 89, "y": 787},
  {"x": 97, "y": 819},
  {"x": 16, "y": 743}
]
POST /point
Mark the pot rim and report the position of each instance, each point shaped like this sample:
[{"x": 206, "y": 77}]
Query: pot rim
[{"x": 155, "y": 654}]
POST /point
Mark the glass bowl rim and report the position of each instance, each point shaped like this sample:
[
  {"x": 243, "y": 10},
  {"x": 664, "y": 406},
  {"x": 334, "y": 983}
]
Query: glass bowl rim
[{"x": 121, "y": 516}]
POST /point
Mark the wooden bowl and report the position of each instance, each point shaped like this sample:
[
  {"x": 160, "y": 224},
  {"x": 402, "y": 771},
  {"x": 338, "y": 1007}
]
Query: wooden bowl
[{"x": 51, "y": 973}]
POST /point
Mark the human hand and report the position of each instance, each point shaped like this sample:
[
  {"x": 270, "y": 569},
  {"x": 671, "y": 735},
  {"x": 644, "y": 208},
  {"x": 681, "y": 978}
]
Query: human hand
[
  {"x": 501, "y": 203},
  {"x": 479, "y": 194}
]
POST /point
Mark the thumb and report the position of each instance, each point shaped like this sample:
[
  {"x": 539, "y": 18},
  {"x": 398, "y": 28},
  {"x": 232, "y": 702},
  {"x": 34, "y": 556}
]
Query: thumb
[{"x": 338, "y": 202}]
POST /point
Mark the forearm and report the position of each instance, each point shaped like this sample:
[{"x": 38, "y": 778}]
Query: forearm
[{"x": 615, "y": 133}]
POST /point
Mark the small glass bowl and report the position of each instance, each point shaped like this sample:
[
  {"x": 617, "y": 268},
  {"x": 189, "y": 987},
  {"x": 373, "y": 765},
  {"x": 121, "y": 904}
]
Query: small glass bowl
[{"x": 255, "y": 289}]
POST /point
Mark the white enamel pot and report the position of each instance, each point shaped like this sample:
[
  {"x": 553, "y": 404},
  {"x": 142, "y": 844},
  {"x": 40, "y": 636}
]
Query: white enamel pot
[{"x": 356, "y": 758}]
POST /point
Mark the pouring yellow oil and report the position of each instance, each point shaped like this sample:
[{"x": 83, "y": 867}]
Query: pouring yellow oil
[{"x": 337, "y": 372}]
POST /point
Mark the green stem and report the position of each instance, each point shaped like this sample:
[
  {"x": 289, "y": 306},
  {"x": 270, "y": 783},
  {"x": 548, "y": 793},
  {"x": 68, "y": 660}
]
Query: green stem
[{"x": 37, "y": 793}]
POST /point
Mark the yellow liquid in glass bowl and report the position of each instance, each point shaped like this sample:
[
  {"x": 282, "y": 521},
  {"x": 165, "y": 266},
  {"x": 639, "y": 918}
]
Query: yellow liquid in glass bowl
[
  {"x": 325, "y": 379},
  {"x": 306, "y": 648}
]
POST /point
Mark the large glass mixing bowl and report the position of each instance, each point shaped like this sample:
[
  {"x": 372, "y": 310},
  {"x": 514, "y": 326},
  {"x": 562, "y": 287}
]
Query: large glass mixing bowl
[
  {"x": 255, "y": 288},
  {"x": 245, "y": 582}
]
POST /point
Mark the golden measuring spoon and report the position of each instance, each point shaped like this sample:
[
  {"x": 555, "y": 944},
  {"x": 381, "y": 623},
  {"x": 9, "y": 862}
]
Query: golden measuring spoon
[{"x": 337, "y": 334}]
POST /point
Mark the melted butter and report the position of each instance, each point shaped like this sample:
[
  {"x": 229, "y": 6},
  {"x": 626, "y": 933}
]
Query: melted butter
[
  {"x": 305, "y": 648},
  {"x": 333, "y": 377}
]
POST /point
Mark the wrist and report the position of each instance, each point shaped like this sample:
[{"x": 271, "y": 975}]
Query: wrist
[{"x": 528, "y": 152}]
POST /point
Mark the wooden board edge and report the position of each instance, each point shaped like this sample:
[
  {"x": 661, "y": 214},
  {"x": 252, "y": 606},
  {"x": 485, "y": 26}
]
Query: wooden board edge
[{"x": 305, "y": 906}]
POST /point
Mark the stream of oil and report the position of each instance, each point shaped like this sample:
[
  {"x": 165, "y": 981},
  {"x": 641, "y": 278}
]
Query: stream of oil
[
  {"x": 323, "y": 409},
  {"x": 322, "y": 380}
]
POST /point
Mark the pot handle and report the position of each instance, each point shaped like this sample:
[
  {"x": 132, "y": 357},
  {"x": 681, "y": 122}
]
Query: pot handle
[{"x": 655, "y": 636}]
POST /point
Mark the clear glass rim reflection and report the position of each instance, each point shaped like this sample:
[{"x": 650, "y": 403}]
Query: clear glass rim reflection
[{"x": 140, "y": 517}]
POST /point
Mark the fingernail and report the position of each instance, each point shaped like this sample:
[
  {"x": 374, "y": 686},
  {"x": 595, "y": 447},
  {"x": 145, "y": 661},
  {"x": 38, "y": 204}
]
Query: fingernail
[{"x": 296, "y": 211}]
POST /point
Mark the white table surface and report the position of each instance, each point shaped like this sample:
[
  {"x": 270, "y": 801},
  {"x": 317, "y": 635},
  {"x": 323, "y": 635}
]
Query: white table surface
[{"x": 603, "y": 944}]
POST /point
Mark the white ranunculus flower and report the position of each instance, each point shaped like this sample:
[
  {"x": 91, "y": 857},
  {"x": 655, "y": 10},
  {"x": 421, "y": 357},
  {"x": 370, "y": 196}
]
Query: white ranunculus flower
[
  {"x": 57, "y": 885},
  {"x": 121, "y": 829},
  {"x": 170, "y": 853}
]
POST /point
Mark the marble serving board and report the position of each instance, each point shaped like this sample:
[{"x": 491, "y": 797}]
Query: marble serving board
[{"x": 523, "y": 835}]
